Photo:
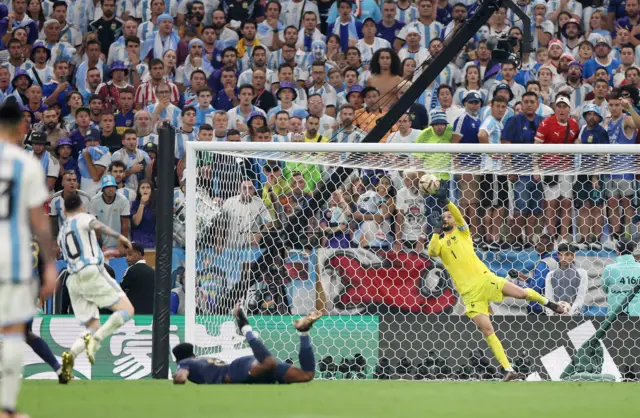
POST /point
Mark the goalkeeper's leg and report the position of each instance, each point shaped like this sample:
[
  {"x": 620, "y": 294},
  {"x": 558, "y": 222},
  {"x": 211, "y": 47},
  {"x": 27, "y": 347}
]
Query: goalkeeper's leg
[
  {"x": 514, "y": 291},
  {"x": 484, "y": 324}
]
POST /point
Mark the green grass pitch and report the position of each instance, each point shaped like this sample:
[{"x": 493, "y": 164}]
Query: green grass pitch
[{"x": 326, "y": 399}]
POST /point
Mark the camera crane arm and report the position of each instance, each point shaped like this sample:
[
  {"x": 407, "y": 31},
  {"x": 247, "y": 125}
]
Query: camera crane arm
[{"x": 448, "y": 54}]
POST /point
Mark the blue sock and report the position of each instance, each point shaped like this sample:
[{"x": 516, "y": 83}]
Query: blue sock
[
  {"x": 40, "y": 347},
  {"x": 260, "y": 352},
  {"x": 305, "y": 356}
]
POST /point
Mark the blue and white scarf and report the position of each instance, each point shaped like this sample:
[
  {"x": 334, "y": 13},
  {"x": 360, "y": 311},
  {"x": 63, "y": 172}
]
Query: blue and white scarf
[
  {"x": 159, "y": 46},
  {"x": 96, "y": 153}
]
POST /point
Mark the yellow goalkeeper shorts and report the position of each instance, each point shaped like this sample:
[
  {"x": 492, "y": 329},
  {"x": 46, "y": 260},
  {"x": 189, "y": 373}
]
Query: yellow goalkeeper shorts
[{"x": 489, "y": 289}]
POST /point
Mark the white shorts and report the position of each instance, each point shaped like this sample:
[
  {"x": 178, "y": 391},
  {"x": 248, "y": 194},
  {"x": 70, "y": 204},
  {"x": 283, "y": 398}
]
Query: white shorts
[
  {"x": 17, "y": 302},
  {"x": 90, "y": 289},
  {"x": 564, "y": 188}
]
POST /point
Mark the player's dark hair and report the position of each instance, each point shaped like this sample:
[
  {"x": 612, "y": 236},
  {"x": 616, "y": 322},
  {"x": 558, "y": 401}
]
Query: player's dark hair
[
  {"x": 154, "y": 62},
  {"x": 117, "y": 163},
  {"x": 248, "y": 22},
  {"x": 395, "y": 68},
  {"x": 614, "y": 94},
  {"x": 263, "y": 130},
  {"x": 206, "y": 127},
  {"x": 499, "y": 99},
  {"x": 183, "y": 351},
  {"x": 565, "y": 248},
  {"x": 60, "y": 3},
  {"x": 194, "y": 72},
  {"x": 258, "y": 48},
  {"x": 230, "y": 132},
  {"x": 72, "y": 202},
  {"x": 530, "y": 93},
  {"x": 230, "y": 49},
  {"x": 205, "y": 90},
  {"x": 10, "y": 114},
  {"x": 137, "y": 247},
  {"x": 188, "y": 109},
  {"x": 132, "y": 40},
  {"x": 129, "y": 132},
  {"x": 270, "y": 2},
  {"x": 245, "y": 87}
]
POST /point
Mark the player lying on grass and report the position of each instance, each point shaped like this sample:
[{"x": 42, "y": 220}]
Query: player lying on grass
[
  {"x": 262, "y": 367},
  {"x": 474, "y": 282}
]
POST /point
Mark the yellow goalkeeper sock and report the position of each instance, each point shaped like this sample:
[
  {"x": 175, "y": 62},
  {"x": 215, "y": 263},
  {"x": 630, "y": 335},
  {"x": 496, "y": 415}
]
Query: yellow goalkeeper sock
[
  {"x": 534, "y": 296},
  {"x": 498, "y": 351}
]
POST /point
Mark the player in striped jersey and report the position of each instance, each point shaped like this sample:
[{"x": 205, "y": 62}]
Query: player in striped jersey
[
  {"x": 90, "y": 286},
  {"x": 22, "y": 196}
]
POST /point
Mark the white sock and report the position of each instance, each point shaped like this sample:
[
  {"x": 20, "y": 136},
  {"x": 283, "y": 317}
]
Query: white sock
[
  {"x": 245, "y": 329},
  {"x": 510, "y": 369},
  {"x": 78, "y": 347},
  {"x": 115, "y": 321},
  {"x": 12, "y": 364}
]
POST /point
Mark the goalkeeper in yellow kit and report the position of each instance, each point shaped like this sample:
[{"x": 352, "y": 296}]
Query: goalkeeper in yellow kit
[{"x": 474, "y": 282}]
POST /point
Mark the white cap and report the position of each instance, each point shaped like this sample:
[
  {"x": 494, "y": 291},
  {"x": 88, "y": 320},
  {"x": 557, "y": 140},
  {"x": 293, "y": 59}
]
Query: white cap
[{"x": 563, "y": 99}]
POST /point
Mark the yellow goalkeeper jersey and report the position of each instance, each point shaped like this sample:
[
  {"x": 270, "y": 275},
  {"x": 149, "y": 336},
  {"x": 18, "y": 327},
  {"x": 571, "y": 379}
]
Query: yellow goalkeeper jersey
[{"x": 458, "y": 256}]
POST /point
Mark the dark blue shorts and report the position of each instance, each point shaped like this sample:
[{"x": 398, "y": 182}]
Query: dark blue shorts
[
  {"x": 30, "y": 326},
  {"x": 528, "y": 196},
  {"x": 239, "y": 372}
]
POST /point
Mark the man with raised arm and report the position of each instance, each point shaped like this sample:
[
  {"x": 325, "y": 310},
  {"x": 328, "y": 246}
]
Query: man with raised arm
[{"x": 473, "y": 280}]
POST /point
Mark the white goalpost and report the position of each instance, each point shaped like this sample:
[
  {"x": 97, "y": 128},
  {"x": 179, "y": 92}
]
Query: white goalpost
[{"x": 286, "y": 228}]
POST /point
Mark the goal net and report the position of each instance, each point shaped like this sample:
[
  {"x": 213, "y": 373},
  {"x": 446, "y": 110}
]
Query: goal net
[{"x": 287, "y": 228}]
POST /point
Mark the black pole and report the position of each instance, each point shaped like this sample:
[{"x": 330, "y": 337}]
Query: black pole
[
  {"x": 164, "y": 248},
  {"x": 448, "y": 54}
]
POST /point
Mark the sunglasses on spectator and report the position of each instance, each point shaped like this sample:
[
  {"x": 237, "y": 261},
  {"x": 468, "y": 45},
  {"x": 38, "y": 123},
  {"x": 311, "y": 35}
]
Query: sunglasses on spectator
[{"x": 626, "y": 94}]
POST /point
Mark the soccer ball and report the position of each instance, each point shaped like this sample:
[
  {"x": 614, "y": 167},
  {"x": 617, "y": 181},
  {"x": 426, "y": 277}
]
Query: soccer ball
[
  {"x": 429, "y": 184},
  {"x": 566, "y": 306}
]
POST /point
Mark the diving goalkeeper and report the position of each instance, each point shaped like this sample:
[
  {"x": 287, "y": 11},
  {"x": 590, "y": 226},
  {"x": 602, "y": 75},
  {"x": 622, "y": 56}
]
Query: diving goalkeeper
[{"x": 474, "y": 282}]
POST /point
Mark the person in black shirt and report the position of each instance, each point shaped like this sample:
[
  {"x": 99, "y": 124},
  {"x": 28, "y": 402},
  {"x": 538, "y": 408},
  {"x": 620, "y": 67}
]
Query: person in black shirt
[
  {"x": 262, "y": 97},
  {"x": 243, "y": 10},
  {"x": 139, "y": 280},
  {"x": 110, "y": 138},
  {"x": 108, "y": 27}
]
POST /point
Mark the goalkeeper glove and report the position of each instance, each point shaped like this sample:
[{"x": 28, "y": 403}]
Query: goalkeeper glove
[
  {"x": 435, "y": 221},
  {"x": 442, "y": 195}
]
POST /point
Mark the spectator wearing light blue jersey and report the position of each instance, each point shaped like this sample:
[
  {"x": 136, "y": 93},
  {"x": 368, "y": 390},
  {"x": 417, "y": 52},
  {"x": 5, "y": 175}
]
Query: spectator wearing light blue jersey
[
  {"x": 504, "y": 91},
  {"x": 620, "y": 188},
  {"x": 346, "y": 26},
  {"x": 425, "y": 23},
  {"x": 588, "y": 188},
  {"x": 93, "y": 162},
  {"x": 495, "y": 186}
]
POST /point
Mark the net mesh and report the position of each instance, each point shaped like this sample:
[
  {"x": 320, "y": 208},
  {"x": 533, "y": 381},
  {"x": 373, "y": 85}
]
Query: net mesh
[{"x": 285, "y": 233}]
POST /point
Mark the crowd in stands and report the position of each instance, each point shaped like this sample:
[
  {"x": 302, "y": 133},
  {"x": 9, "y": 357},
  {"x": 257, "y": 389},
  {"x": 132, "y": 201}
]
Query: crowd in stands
[{"x": 97, "y": 78}]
